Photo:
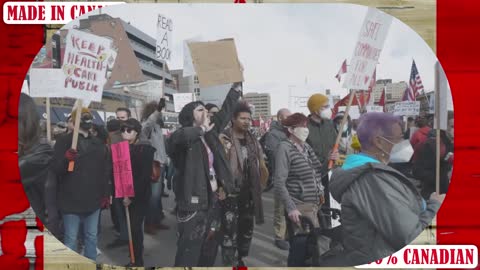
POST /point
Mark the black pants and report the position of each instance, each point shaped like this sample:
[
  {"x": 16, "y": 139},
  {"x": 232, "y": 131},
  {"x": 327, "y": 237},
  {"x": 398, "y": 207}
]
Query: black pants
[
  {"x": 210, "y": 245},
  {"x": 192, "y": 230},
  {"x": 137, "y": 218},
  {"x": 237, "y": 227}
]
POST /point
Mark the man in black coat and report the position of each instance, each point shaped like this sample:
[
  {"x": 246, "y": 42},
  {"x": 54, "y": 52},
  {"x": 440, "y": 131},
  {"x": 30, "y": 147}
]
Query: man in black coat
[
  {"x": 82, "y": 192},
  {"x": 202, "y": 171}
]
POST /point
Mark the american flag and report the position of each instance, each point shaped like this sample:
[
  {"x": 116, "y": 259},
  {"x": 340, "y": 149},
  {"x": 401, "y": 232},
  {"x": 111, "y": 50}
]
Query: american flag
[{"x": 414, "y": 85}]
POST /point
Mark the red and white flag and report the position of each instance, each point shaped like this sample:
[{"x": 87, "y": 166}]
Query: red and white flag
[
  {"x": 343, "y": 70},
  {"x": 382, "y": 99},
  {"x": 414, "y": 85}
]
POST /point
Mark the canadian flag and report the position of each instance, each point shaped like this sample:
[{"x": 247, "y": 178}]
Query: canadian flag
[
  {"x": 343, "y": 70},
  {"x": 381, "y": 102}
]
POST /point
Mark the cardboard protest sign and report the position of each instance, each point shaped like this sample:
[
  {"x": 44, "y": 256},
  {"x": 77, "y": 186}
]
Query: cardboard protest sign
[
  {"x": 85, "y": 64},
  {"x": 354, "y": 111},
  {"x": 216, "y": 62},
  {"x": 372, "y": 108},
  {"x": 122, "y": 170},
  {"x": 405, "y": 108},
  {"x": 46, "y": 82},
  {"x": 164, "y": 38},
  {"x": 180, "y": 100},
  {"x": 367, "y": 50}
]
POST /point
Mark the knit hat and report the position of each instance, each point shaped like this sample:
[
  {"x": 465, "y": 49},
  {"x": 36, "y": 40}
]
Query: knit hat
[
  {"x": 316, "y": 101},
  {"x": 84, "y": 110}
]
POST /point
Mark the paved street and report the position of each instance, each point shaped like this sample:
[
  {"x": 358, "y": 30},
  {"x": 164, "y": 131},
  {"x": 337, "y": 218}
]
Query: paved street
[{"x": 160, "y": 249}]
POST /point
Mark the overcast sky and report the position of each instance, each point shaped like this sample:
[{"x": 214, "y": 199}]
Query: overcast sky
[{"x": 282, "y": 46}]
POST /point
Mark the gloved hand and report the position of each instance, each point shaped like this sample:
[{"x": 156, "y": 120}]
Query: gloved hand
[
  {"x": 71, "y": 154},
  {"x": 105, "y": 203}
]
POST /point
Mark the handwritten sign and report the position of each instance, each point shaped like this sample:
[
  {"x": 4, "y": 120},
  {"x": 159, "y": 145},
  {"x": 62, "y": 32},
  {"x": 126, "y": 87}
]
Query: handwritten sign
[
  {"x": 122, "y": 170},
  {"x": 372, "y": 108},
  {"x": 180, "y": 100},
  {"x": 354, "y": 111},
  {"x": 164, "y": 38},
  {"x": 407, "y": 108},
  {"x": 86, "y": 60},
  {"x": 367, "y": 50},
  {"x": 216, "y": 62}
]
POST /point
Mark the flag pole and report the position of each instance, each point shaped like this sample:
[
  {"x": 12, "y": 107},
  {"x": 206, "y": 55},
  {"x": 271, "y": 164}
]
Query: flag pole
[
  {"x": 437, "y": 121},
  {"x": 130, "y": 240},
  {"x": 78, "y": 115},
  {"x": 49, "y": 122},
  {"x": 344, "y": 121}
]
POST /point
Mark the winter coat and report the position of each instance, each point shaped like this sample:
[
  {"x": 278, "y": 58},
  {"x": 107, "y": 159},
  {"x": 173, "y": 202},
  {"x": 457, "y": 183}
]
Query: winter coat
[
  {"x": 424, "y": 166},
  {"x": 34, "y": 167},
  {"x": 321, "y": 138},
  {"x": 273, "y": 138},
  {"x": 81, "y": 191},
  {"x": 141, "y": 158},
  {"x": 297, "y": 179},
  {"x": 190, "y": 158},
  {"x": 381, "y": 210}
]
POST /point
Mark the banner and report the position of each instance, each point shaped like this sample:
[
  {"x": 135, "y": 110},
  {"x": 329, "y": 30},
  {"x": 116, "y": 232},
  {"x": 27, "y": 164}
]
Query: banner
[
  {"x": 164, "y": 38},
  {"x": 85, "y": 63},
  {"x": 405, "y": 108},
  {"x": 46, "y": 82},
  {"x": 374, "y": 108},
  {"x": 354, "y": 111},
  {"x": 180, "y": 100},
  {"x": 216, "y": 62},
  {"x": 367, "y": 50},
  {"x": 122, "y": 170}
]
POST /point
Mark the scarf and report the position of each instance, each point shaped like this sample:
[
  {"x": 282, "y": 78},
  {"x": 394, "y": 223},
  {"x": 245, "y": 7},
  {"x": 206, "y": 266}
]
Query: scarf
[{"x": 249, "y": 170}]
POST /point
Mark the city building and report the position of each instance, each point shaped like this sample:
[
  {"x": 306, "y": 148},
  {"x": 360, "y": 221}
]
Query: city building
[{"x": 261, "y": 103}]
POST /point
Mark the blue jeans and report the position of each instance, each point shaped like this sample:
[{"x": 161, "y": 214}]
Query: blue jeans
[
  {"x": 155, "y": 207},
  {"x": 71, "y": 223}
]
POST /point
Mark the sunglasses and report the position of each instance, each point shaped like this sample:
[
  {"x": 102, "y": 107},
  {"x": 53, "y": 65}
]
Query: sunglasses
[{"x": 126, "y": 129}]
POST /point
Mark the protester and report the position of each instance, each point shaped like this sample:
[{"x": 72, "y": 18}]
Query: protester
[
  {"x": 250, "y": 176},
  {"x": 345, "y": 145},
  {"x": 273, "y": 138},
  {"x": 322, "y": 135},
  {"x": 123, "y": 114},
  {"x": 381, "y": 209},
  {"x": 117, "y": 210},
  {"x": 82, "y": 192},
  {"x": 298, "y": 184},
  {"x": 424, "y": 166},
  {"x": 34, "y": 157},
  {"x": 202, "y": 173},
  {"x": 212, "y": 109},
  {"x": 152, "y": 123},
  {"x": 421, "y": 135},
  {"x": 141, "y": 157}
]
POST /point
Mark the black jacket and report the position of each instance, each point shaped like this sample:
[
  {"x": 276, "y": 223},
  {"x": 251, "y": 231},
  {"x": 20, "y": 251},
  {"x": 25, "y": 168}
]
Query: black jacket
[
  {"x": 189, "y": 156},
  {"x": 34, "y": 166},
  {"x": 81, "y": 191},
  {"x": 141, "y": 157}
]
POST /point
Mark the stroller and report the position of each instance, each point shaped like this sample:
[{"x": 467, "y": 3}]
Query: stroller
[{"x": 324, "y": 244}]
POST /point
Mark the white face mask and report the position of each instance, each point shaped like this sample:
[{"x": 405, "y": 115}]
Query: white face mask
[
  {"x": 301, "y": 133},
  {"x": 326, "y": 114},
  {"x": 401, "y": 152}
]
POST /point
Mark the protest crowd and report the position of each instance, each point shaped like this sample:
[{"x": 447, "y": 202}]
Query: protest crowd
[
  {"x": 346, "y": 191},
  {"x": 218, "y": 170}
]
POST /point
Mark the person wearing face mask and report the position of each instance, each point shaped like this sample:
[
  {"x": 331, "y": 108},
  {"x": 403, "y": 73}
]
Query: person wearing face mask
[
  {"x": 424, "y": 166},
  {"x": 298, "y": 184},
  {"x": 202, "y": 176},
  {"x": 382, "y": 211},
  {"x": 84, "y": 191},
  {"x": 141, "y": 158},
  {"x": 322, "y": 135}
]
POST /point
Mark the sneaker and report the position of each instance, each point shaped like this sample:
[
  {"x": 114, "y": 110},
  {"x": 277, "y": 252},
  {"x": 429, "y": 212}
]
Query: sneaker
[
  {"x": 150, "y": 229},
  {"x": 117, "y": 243},
  {"x": 282, "y": 244},
  {"x": 162, "y": 226}
]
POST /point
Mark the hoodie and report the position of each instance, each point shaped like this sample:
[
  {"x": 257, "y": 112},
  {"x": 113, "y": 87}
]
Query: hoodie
[{"x": 381, "y": 210}]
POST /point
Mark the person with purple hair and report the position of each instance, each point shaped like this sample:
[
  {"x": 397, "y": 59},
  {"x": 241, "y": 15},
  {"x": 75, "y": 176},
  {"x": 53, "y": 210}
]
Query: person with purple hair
[{"x": 382, "y": 211}]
